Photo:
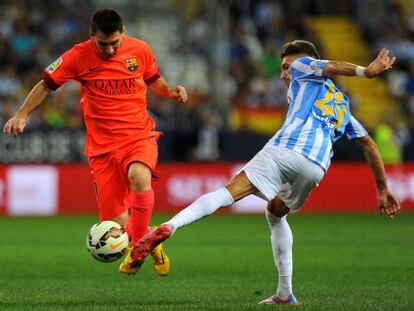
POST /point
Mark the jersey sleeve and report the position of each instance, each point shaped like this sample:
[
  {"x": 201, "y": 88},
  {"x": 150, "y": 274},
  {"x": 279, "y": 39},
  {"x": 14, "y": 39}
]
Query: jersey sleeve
[
  {"x": 354, "y": 129},
  {"x": 61, "y": 70},
  {"x": 307, "y": 68},
  {"x": 151, "y": 73}
]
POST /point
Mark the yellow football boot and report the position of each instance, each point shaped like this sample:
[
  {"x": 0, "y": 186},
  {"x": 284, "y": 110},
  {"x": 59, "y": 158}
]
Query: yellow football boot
[
  {"x": 130, "y": 266},
  {"x": 151, "y": 243},
  {"x": 160, "y": 260}
]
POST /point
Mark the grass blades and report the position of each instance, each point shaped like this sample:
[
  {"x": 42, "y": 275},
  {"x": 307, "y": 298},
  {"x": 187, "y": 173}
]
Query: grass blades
[{"x": 223, "y": 262}]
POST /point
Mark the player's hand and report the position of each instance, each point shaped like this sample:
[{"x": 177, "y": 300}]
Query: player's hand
[
  {"x": 382, "y": 63},
  {"x": 179, "y": 94},
  {"x": 15, "y": 125},
  {"x": 388, "y": 204}
]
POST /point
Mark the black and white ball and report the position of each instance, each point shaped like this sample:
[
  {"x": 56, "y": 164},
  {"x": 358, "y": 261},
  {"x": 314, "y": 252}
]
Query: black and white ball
[{"x": 107, "y": 241}]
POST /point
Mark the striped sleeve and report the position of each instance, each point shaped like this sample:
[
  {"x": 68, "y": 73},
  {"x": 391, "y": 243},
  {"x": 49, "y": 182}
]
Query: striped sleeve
[
  {"x": 307, "y": 68},
  {"x": 354, "y": 129}
]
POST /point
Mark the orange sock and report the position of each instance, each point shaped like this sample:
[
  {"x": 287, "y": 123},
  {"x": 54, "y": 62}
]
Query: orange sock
[{"x": 141, "y": 208}]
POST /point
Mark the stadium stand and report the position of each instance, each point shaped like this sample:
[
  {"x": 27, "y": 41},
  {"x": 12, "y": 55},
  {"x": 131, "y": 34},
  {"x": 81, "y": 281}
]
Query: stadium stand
[{"x": 226, "y": 53}]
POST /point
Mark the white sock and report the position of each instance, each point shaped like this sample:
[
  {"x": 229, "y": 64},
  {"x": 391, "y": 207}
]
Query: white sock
[
  {"x": 282, "y": 241},
  {"x": 202, "y": 207}
]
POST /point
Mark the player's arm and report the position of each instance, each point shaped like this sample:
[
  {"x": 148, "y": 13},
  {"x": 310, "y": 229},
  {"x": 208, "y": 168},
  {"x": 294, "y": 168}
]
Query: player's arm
[
  {"x": 156, "y": 82},
  {"x": 387, "y": 202},
  {"x": 161, "y": 88},
  {"x": 36, "y": 96},
  {"x": 380, "y": 64}
]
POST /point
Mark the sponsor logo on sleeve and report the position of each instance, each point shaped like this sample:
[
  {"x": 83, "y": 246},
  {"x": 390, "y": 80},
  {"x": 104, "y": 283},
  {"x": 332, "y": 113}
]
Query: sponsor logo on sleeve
[
  {"x": 55, "y": 65},
  {"x": 315, "y": 65}
]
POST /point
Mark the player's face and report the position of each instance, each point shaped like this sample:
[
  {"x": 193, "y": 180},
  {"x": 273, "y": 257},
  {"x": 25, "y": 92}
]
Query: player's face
[
  {"x": 108, "y": 45},
  {"x": 286, "y": 62}
]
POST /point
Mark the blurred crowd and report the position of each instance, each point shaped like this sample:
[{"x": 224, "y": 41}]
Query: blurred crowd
[
  {"x": 34, "y": 32},
  {"x": 257, "y": 31},
  {"x": 390, "y": 24}
]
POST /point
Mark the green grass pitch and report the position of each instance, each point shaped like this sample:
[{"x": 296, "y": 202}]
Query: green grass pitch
[{"x": 224, "y": 262}]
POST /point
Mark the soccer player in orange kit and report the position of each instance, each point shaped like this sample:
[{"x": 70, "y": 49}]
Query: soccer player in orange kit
[{"x": 114, "y": 71}]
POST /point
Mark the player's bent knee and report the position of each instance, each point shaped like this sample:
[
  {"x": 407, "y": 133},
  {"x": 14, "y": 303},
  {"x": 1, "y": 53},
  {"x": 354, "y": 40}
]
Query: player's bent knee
[
  {"x": 277, "y": 207},
  {"x": 139, "y": 176},
  {"x": 140, "y": 183}
]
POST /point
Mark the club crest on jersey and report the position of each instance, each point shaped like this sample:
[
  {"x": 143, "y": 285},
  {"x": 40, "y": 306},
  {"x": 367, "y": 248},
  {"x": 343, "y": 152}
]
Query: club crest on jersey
[
  {"x": 131, "y": 64},
  {"x": 53, "y": 66}
]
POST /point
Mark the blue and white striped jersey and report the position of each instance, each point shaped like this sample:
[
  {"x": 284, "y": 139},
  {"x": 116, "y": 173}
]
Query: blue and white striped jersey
[{"x": 318, "y": 114}]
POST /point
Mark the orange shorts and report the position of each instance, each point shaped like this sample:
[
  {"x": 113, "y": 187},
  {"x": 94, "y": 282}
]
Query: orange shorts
[{"x": 110, "y": 174}]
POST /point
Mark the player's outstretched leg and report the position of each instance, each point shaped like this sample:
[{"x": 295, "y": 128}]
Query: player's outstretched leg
[
  {"x": 203, "y": 206},
  {"x": 149, "y": 242},
  {"x": 160, "y": 259}
]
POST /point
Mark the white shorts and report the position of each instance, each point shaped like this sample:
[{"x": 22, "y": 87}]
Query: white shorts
[{"x": 284, "y": 173}]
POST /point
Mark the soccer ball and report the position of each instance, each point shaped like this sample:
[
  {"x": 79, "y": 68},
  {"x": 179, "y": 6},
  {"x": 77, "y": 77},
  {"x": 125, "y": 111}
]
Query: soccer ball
[{"x": 107, "y": 241}]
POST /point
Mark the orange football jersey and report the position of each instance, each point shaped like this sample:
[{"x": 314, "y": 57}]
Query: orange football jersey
[{"x": 113, "y": 91}]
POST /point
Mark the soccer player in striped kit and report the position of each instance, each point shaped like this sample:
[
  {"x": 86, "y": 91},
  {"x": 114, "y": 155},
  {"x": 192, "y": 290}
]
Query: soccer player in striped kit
[{"x": 296, "y": 158}]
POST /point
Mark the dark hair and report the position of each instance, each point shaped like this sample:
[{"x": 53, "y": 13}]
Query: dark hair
[
  {"x": 299, "y": 47},
  {"x": 106, "y": 20}
]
